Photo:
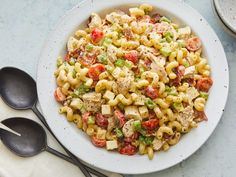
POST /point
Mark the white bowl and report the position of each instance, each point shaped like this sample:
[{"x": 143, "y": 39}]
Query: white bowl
[{"x": 77, "y": 142}]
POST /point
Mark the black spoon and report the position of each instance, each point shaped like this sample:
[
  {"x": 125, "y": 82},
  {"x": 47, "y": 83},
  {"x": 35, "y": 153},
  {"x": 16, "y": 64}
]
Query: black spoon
[
  {"x": 18, "y": 90},
  {"x": 33, "y": 139}
]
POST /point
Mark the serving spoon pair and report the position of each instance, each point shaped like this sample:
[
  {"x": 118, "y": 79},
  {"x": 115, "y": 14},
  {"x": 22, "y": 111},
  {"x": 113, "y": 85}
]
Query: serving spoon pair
[{"x": 18, "y": 90}]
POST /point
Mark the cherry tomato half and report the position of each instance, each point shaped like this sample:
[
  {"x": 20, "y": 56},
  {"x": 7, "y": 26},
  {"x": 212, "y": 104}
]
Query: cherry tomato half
[
  {"x": 59, "y": 96},
  {"x": 204, "y": 84},
  {"x": 193, "y": 44},
  {"x": 98, "y": 142},
  {"x": 128, "y": 150},
  {"x": 96, "y": 35},
  {"x": 120, "y": 116},
  {"x": 150, "y": 124},
  {"x": 151, "y": 92},
  {"x": 132, "y": 56},
  {"x": 101, "y": 121},
  {"x": 95, "y": 71}
]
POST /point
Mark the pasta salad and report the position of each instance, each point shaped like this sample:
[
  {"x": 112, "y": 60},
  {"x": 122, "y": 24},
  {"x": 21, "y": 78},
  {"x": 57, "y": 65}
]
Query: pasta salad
[{"x": 133, "y": 82}]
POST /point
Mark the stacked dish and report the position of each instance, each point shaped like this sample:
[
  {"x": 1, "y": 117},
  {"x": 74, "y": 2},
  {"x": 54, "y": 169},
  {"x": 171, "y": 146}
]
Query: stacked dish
[{"x": 226, "y": 12}]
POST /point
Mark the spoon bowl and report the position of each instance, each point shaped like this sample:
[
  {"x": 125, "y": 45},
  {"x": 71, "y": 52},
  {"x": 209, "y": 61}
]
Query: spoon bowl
[
  {"x": 32, "y": 141},
  {"x": 17, "y": 88}
]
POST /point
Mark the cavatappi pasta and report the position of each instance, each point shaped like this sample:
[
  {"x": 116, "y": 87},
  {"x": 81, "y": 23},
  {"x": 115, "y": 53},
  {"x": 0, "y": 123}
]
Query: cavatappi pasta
[{"x": 133, "y": 82}]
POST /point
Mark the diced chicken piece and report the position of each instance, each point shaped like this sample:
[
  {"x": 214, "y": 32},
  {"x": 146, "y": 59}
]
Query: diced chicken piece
[
  {"x": 111, "y": 52},
  {"x": 116, "y": 72},
  {"x": 109, "y": 95},
  {"x": 189, "y": 71},
  {"x": 72, "y": 44},
  {"x": 95, "y": 22},
  {"x": 140, "y": 101},
  {"x": 101, "y": 134},
  {"x": 106, "y": 109},
  {"x": 192, "y": 93},
  {"x": 143, "y": 110},
  {"x": 128, "y": 129},
  {"x": 110, "y": 145},
  {"x": 92, "y": 101},
  {"x": 157, "y": 144},
  {"x": 186, "y": 116},
  {"x": 76, "y": 103},
  {"x": 132, "y": 112},
  {"x": 111, "y": 123},
  {"x": 124, "y": 84},
  {"x": 184, "y": 32}
]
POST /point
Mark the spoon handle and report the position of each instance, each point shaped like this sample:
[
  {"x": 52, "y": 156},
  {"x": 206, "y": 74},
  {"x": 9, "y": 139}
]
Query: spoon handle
[{"x": 72, "y": 158}]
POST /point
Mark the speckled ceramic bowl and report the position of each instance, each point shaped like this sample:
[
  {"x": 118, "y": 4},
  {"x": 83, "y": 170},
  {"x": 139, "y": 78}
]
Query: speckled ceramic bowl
[
  {"x": 226, "y": 12},
  {"x": 77, "y": 142}
]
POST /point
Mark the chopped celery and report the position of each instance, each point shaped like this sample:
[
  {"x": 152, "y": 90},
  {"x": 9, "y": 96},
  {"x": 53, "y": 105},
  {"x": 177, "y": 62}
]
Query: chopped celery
[
  {"x": 178, "y": 106},
  {"x": 171, "y": 91},
  {"x": 120, "y": 62},
  {"x": 162, "y": 40},
  {"x": 181, "y": 43},
  {"x": 102, "y": 58},
  {"x": 186, "y": 64},
  {"x": 91, "y": 120},
  {"x": 72, "y": 61},
  {"x": 128, "y": 64},
  {"x": 89, "y": 47},
  {"x": 149, "y": 103},
  {"x": 147, "y": 140},
  {"x": 74, "y": 73},
  {"x": 168, "y": 38},
  {"x": 165, "y": 19},
  {"x": 81, "y": 90},
  {"x": 204, "y": 95},
  {"x": 168, "y": 33},
  {"x": 119, "y": 133},
  {"x": 107, "y": 42},
  {"x": 137, "y": 125},
  {"x": 165, "y": 51},
  {"x": 59, "y": 61},
  {"x": 141, "y": 70}
]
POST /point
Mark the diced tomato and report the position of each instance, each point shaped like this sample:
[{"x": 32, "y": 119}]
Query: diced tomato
[
  {"x": 194, "y": 44},
  {"x": 100, "y": 120},
  {"x": 96, "y": 35},
  {"x": 150, "y": 124},
  {"x": 132, "y": 56},
  {"x": 204, "y": 84},
  {"x": 98, "y": 142},
  {"x": 59, "y": 96},
  {"x": 85, "y": 117},
  {"x": 95, "y": 71},
  {"x": 128, "y": 150},
  {"x": 67, "y": 57},
  {"x": 199, "y": 116},
  {"x": 151, "y": 92},
  {"x": 120, "y": 116}
]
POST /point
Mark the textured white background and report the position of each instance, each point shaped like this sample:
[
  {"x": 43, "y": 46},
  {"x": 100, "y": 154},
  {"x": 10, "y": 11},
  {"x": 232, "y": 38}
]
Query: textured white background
[{"x": 25, "y": 24}]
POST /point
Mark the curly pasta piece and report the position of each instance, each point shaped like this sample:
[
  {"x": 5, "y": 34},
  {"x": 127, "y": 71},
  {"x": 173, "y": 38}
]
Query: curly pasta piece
[
  {"x": 103, "y": 84},
  {"x": 68, "y": 111},
  {"x": 162, "y": 130},
  {"x": 150, "y": 74},
  {"x": 121, "y": 98},
  {"x": 169, "y": 68},
  {"x": 199, "y": 104}
]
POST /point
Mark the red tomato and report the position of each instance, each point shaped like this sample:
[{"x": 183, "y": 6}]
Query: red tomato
[
  {"x": 96, "y": 35},
  {"x": 95, "y": 71},
  {"x": 204, "y": 84},
  {"x": 100, "y": 120},
  {"x": 67, "y": 57},
  {"x": 128, "y": 150},
  {"x": 193, "y": 44},
  {"x": 132, "y": 56},
  {"x": 120, "y": 116},
  {"x": 85, "y": 117},
  {"x": 98, "y": 142},
  {"x": 150, "y": 124},
  {"x": 151, "y": 92},
  {"x": 59, "y": 96}
]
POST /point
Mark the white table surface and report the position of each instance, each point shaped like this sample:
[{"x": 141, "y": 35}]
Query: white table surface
[{"x": 25, "y": 24}]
